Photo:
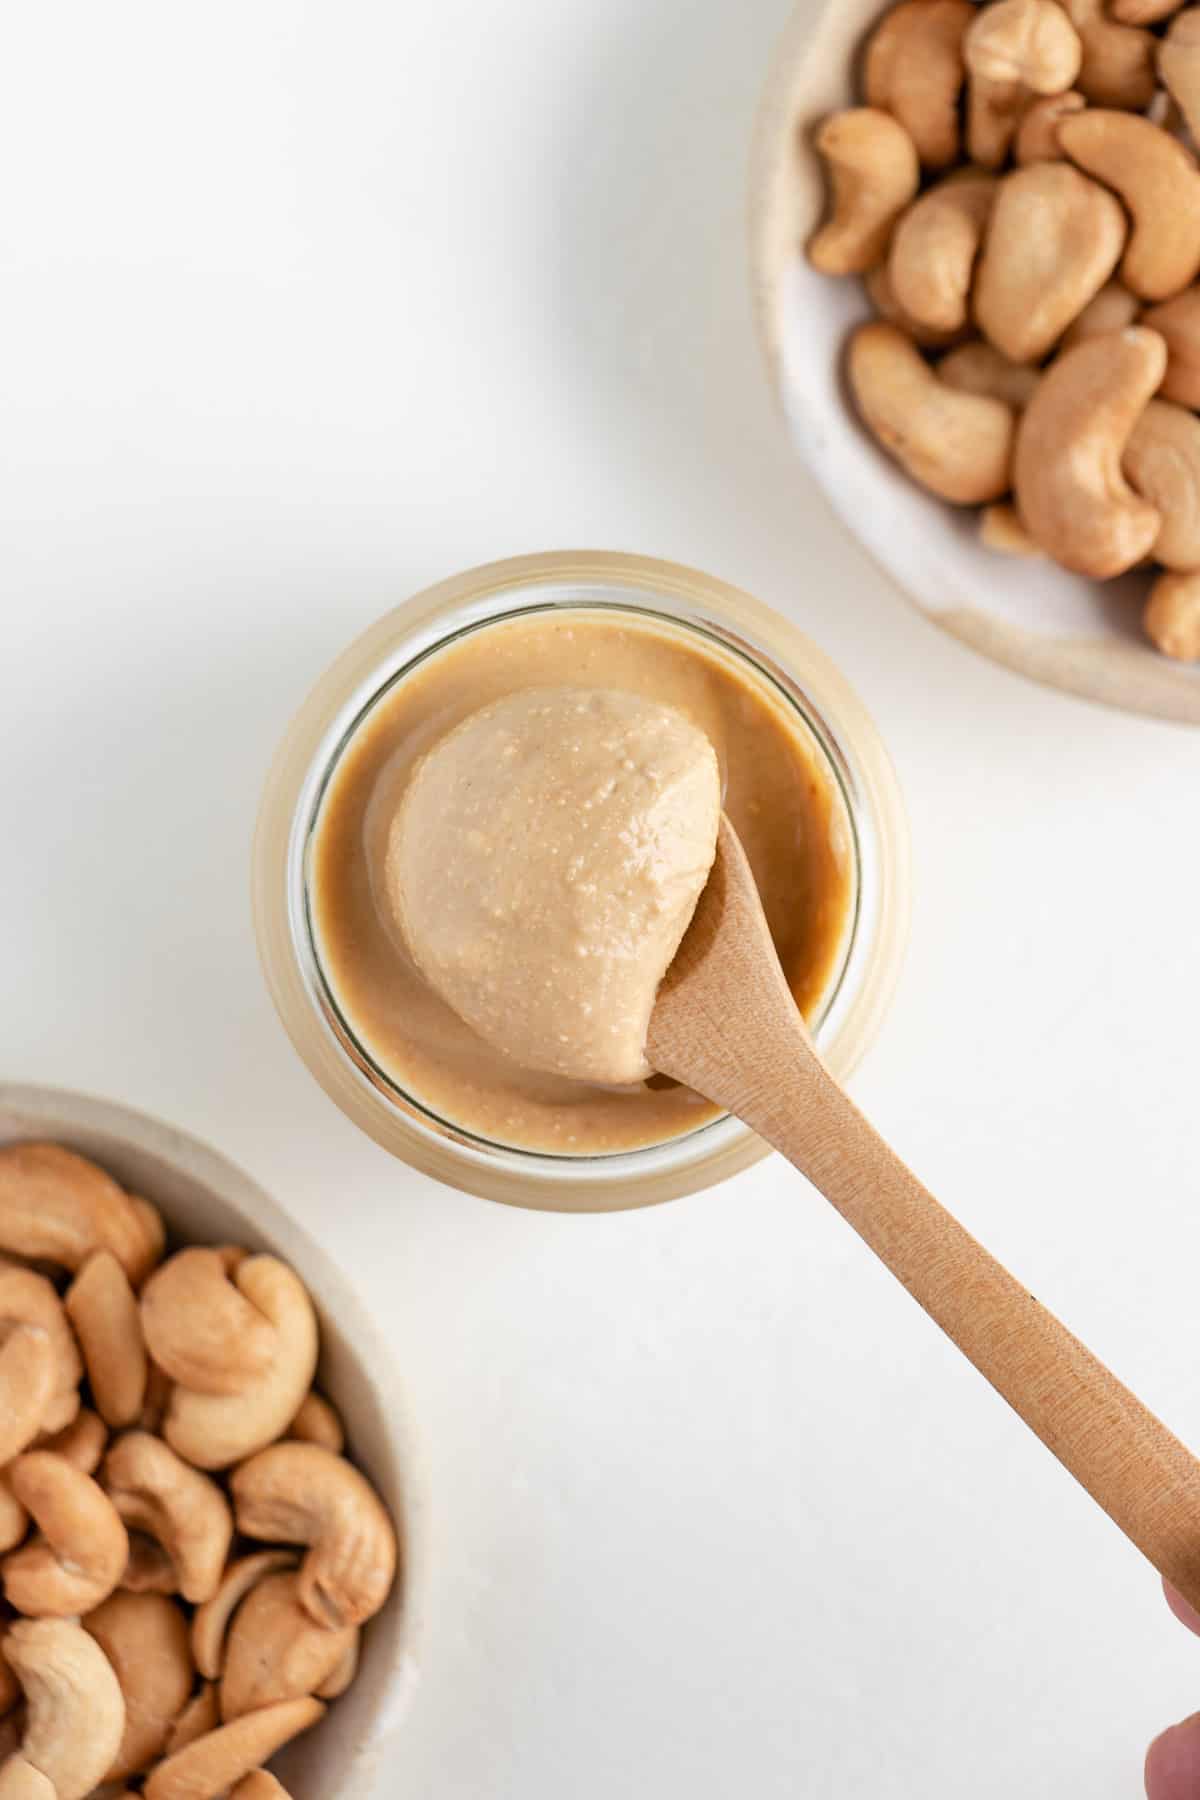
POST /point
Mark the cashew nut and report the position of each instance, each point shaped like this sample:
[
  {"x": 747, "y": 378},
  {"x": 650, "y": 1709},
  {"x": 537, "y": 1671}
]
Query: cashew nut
[
  {"x": 1052, "y": 242},
  {"x": 19, "y": 1780},
  {"x": 149, "y": 1569},
  {"x": 1177, "y": 321},
  {"x": 1159, "y": 182},
  {"x": 1037, "y": 134},
  {"x": 75, "y": 1715},
  {"x": 211, "y": 1431},
  {"x": 201, "y": 1329},
  {"x": 260, "y": 1784},
  {"x": 343, "y": 1672},
  {"x": 317, "y": 1422},
  {"x": 1071, "y": 494},
  {"x": 101, "y": 1305},
  {"x": 1172, "y": 616},
  {"x": 1015, "y": 50},
  {"x": 145, "y": 1638},
  {"x": 155, "y": 1491},
  {"x": 934, "y": 248},
  {"x": 1179, "y": 66},
  {"x": 301, "y": 1494},
  {"x": 214, "y": 1763},
  {"x": 878, "y": 284},
  {"x": 59, "y": 1206},
  {"x": 201, "y": 1715},
  {"x": 957, "y": 445},
  {"x": 30, "y": 1300},
  {"x": 212, "y": 1619},
  {"x": 82, "y": 1551},
  {"x": 873, "y": 174},
  {"x": 914, "y": 69},
  {"x": 274, "y": 1650},
  {"x": 979, "y": 368},
  {"x": 1113, "y": 308},
  {"x": 1162, "y": 464},
  {"x": 82, "y": 1443},
  {"x": 1118, "y": 60}
]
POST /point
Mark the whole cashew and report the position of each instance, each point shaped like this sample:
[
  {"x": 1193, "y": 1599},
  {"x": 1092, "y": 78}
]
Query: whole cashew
[
  {"x": 1052, "y": 241},
  {"x": 75, "y": 1715},
  {"x": 1162, "y": 464},
  {"x": 145, "y": 1638},
  {"x": 201, "y": 1329},
  {"x": 101, "y": 1305},
  {"x": 1037, "y": 134},
  {"x": 1113, "y": 308},
  {"x": 1015, "y": 50},
  {"x": 1071, "y": 494},
  {"x": 957, "y": 445},
  {"x": 979, "y": 368},
  {"x": 212, "y": 1619},
  {"x": 82, "y": 1551},
  {"x": 1000, "y": 529},
  {"x": 878, "y": 284},
  {"x": 260, "y": 1784},
  {"x": 343, "y": 1672},
  {"x": 873, "y": 174},
  {"x": 82, "y": 1443},
  {"x": 211, "y": 1431},
  {"x": 301, "y": 1494},
  {"x": 1172, "y": 616},
  {"x": 201, "y": 1715},
  {"x": 1118, "y": 60},
  {"x": 19, "y": 1780},
  {"x": 155, "y": 1491},
  {"x": 914, "y": 69},
  {"x": 29, "y": 1300},
  {"x": 1177, "y": 321},
  {"x": 1160, "y": 184},
  {"x": 59, "y": 1206},
  {"x": 274, "y": 1650},
  {"x": 214, "y": 1763},
  {"x": 1179, "y": 66},
  {"x": 317, "y": 1422},
  {"x": 934, "y": 248}
]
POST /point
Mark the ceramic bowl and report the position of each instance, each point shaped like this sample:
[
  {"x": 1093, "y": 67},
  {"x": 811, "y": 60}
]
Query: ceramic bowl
[
  {"x": 1028, "y": 614},
  {"x": 203, "y": 1199}
]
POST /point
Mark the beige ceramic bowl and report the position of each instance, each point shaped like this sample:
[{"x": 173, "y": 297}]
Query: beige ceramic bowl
[
  {"x": 203, "y": 1199},
  {"x": 1030, "y": 615}
]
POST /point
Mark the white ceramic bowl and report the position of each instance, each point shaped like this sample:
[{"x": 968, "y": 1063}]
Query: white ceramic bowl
[
  {"x": 1028, "y": 614},
  {"x": 205, "y": 1199}
]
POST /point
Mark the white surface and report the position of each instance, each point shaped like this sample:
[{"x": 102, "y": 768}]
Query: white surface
[{"x": 308, "y": 305}]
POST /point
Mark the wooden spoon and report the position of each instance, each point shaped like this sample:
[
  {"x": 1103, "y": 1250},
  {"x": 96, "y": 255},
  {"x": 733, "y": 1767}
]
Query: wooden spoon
[{"x": 725, "y": 1024}]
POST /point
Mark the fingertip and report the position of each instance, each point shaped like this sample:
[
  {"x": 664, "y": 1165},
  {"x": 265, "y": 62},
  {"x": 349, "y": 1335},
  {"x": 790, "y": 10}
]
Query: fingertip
[
  {"x": 1187, "y": 1615},
  {"x": 1173, "y": 1762}
]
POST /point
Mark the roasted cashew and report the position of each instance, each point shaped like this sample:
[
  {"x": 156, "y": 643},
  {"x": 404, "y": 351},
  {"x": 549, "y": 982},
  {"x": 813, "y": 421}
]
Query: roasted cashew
[
  {"x": 214, "y": 1763},
  {"x": 317, "y": 1422},
  {"x": 211, "y": 1431},
  {"x": 82, "y": 1551},
  {"x": 957, "y": 445},
  {"x": 145, "y": 1638},
  {"x": 1037, "y": 134},
  {"x": 1015, "y": 51},
  {"x": 1052, "y": 241},
  {"x": 149, "y": 1569},
  {"x": 914, "y": 69},
  {"x": 1172, "y": 616},
  {"x": 28, "y": 1299},
  {"x": 1000, "y": 529},
  {"x": 82, "y": 1443},
  {"x": 878, "y": 284},
  {"x": 1113, "y": 308},
  {"x": 60, "y": 1207},
  {"x": 979, "y": 368},
  {"x": 934, "y": 247},
  {"x": 1179, "y": 66},
  {"x": 301, "y": 1494},
  {"x": 155, "y": 1491},
  {"x": 274, "y": 1650},
  {"x": 19, "y": 1780},
  {"x": 1162, "y": 464},
  {"x": 1071, "y": 494},
  {"x": 1118, "y": 60},
  {"x": 75, "y": 1715},
  {"x": 201, "y": 1715},
  {"x": 201, "y": 1329},
  {"x": 1177, "y": 321},
  {"x": 343, "y": 1672},
  {"x": 104, "y": 1311},
  {"x": 1159, "y": 182},
  {"x": 873, "y": 174},
  {"x": 260, "y": 1784},
  {"x": 212, "y": 1619}
]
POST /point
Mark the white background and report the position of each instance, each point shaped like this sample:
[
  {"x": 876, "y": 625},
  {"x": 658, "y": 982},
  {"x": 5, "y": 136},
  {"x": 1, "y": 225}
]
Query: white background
[{"x": 305, "y": 306}]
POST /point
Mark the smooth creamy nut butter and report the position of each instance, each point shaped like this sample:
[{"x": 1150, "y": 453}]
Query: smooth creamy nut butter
[{"x": 472, "y": 895}]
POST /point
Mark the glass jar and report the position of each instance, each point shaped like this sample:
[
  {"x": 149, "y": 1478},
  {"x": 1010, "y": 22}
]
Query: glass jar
[{"x": 763, "y": 648}]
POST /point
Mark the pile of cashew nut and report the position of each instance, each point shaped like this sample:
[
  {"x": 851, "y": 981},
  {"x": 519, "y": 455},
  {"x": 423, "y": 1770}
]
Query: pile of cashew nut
[
  {"x": 1020, "y": 195},
  {"x": 191, "y": 1556}
]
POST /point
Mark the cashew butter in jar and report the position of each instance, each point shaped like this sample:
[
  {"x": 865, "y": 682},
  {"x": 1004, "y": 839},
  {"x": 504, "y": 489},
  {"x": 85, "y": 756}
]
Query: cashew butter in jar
[{"x": 484, "y": 833}]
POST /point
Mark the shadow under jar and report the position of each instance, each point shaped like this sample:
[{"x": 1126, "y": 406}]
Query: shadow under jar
[{"x": 805, "y": 780}]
